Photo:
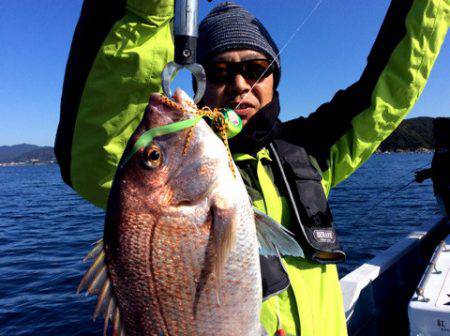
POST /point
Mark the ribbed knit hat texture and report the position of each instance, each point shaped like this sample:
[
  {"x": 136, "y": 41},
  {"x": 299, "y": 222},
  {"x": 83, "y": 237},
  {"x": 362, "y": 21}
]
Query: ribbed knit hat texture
[{"x": 231, "y": 27}]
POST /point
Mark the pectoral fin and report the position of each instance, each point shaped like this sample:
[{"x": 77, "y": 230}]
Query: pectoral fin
[
  {"x": 221, "y": 241},
  {"x": 224, "y": 231},
  {"x": 274, "y": 239}
]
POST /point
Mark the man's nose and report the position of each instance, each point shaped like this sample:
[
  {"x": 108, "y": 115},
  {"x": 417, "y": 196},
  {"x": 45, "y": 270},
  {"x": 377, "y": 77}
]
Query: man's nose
[{"x": 239, "y": 83}]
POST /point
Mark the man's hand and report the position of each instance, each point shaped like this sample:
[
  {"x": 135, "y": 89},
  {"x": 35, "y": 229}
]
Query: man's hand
[{"x": 422, "y": 175}]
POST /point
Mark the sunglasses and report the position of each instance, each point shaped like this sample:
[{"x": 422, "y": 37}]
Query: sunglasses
[{"x": 222, "y": 72}]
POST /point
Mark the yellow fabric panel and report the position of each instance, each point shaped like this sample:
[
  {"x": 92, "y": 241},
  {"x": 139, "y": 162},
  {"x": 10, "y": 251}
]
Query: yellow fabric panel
[
  {"x": 318, "y": 297},
  {"x": 154, "y": 12},
  {"x": 126, "y": 71}
]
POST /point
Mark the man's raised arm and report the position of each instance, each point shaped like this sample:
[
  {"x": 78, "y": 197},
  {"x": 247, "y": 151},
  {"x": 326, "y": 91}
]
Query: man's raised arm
[
  {"x": 117, "y": 54},
  {"x": 346, "y": 131}
]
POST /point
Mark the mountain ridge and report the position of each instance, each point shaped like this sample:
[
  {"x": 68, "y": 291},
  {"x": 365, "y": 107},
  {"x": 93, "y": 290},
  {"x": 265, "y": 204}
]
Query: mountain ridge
[
  {"x": 414, "y": 134},
  {"x": 26, "y": 153}
]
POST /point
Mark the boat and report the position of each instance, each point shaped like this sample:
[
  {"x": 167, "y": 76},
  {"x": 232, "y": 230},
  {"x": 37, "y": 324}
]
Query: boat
[
  {"x": 429, "y": 309},
  {"x": 377, "y": 294}
]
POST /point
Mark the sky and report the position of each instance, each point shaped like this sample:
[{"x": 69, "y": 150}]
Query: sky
[{"x": 327, "y": 54}]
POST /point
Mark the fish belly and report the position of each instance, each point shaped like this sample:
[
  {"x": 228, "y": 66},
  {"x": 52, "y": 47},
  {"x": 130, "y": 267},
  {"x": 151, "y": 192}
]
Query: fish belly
[
  {"x": 162, "y": 277},
  {"x": 238, "y": 304}
]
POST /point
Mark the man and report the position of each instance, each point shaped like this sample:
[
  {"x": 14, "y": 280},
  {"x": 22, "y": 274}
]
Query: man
[
  {"x": 440, "y": 166},
  {"x": 116, "y": 59}
]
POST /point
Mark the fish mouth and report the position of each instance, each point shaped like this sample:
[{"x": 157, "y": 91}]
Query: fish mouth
[
  {"x": 156, "y": 98},
  {"x": 180, "y": 100},
  {"x": 163, "y": 111}
]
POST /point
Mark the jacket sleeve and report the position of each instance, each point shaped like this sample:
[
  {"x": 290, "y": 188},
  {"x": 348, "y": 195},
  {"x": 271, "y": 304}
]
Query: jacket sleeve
[
  {"x": 117, "y": 54},
  {"x": 346, "y": 131}
]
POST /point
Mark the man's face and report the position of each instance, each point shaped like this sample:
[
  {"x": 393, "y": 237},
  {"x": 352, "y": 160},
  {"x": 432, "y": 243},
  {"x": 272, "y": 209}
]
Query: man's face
[{"x": 237, "y": 89}]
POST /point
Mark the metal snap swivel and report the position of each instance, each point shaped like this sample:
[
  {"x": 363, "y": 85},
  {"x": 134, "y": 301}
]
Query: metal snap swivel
[{"x": 195, "y": 69}]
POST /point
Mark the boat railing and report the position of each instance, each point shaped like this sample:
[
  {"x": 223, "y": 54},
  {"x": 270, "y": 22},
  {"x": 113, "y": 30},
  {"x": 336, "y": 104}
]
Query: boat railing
[{"x": 431, "y": 269}]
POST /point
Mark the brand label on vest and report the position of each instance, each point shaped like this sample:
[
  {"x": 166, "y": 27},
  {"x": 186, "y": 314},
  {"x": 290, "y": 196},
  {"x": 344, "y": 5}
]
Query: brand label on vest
[{"x": 324, "y": 236}]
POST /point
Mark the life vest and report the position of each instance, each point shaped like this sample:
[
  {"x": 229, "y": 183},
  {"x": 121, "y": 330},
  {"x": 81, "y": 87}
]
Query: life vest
[{"x": 312, "y": 221}]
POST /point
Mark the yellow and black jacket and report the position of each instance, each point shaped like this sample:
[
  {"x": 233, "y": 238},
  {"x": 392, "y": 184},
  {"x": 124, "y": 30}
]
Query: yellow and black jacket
[{"x": 117, "y": 55}]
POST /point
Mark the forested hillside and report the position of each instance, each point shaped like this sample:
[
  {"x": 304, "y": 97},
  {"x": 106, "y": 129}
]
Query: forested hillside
[
  {"x": 412, "y": 135},
  {"x": 24, "y": 153}
]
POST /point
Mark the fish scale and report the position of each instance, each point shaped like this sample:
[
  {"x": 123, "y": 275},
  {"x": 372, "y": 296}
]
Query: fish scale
[{"x": 174, "y": 299}]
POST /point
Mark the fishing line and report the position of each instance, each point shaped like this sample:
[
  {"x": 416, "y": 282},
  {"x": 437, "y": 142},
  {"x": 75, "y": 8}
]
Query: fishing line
[
  {"x": 415, "y": 170},
  {"x": 385, "y": 198},
  {"x": 392, "y": 194},
  {"x": 300, "y": 26}
]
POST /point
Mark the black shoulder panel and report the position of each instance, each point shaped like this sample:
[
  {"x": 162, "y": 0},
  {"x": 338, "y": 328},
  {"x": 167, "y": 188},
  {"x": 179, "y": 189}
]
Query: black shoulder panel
[{"x": 96, "y": 19}]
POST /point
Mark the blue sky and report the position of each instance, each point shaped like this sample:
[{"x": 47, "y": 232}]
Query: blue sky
[{"x": 327, "y": 54}]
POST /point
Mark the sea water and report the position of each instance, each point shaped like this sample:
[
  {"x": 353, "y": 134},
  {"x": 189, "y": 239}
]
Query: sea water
[{"x": 46, "y": 230}]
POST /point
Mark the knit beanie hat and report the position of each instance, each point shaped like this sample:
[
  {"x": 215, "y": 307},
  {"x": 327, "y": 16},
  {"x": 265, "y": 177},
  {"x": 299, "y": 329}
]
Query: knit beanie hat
[{"x": 231, "y": 27}]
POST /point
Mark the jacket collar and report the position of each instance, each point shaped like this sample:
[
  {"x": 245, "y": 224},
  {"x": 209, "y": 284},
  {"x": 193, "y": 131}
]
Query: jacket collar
[{"x": 260, "y": 130}]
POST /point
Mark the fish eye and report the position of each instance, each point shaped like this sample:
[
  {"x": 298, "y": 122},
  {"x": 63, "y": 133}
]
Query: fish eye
[{"x": 152, "y": 156}]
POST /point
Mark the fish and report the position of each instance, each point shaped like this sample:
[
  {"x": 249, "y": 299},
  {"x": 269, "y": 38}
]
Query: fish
[{"x": 181, "y": 243}]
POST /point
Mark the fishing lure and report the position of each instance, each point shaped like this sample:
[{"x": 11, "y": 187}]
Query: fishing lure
[{"x": 225, "y": 122}]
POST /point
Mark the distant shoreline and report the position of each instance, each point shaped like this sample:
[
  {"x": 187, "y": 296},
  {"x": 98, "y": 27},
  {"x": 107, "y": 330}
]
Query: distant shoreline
[
  {"x": 400, "y": 151},
  {"x": 26, "y": 163},
  {"x": 378, "y": 152}
]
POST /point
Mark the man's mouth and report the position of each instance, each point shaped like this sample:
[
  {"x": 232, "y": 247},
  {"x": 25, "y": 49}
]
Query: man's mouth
[{"x": 243, "y": 108}]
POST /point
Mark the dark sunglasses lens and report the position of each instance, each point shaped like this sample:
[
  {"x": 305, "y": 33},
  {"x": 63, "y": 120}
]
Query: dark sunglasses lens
[
  {"x": 224, "y": 72},
  {"x": 217, "y": 73},
  {"x": 253, "y": 70}
]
